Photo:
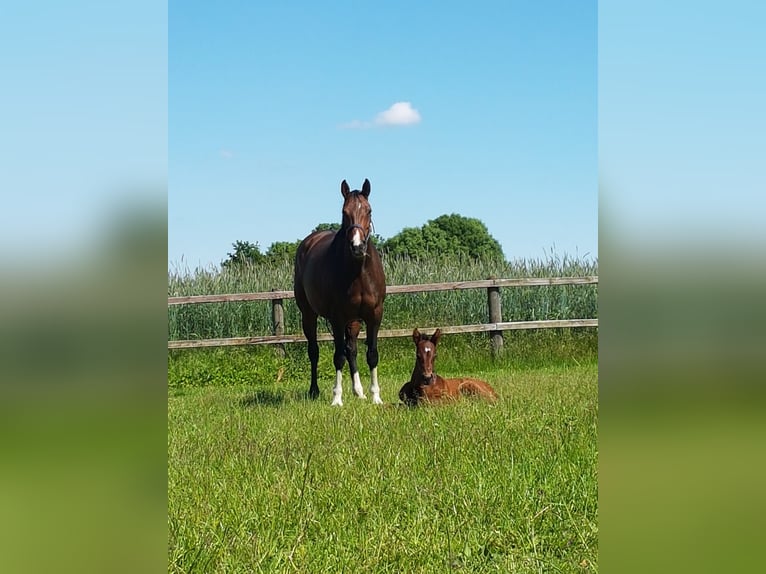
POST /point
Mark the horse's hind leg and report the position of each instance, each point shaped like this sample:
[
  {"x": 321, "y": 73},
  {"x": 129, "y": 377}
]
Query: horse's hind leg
[
  {"x": 352, "y": 332},
  {"x": 309, "y": 321}
]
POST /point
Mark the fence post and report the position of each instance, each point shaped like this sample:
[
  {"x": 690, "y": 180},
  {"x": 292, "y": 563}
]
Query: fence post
[
  {"x": 278, "y": 321},
  {"x": 495, "y": 316}
]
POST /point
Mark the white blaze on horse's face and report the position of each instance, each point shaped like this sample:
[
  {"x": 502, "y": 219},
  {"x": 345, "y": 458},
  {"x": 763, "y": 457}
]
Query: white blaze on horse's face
[
  {"x": 356, "y": 237},
  {"x": 425, "y": 358},
  {"x": 357, "y": 218}
]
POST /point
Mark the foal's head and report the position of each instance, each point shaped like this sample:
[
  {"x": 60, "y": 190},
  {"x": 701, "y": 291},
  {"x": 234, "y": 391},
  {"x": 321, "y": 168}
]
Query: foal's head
[
  {"x": 425, "y": 353},
  {"x": 357, "y": 218}
]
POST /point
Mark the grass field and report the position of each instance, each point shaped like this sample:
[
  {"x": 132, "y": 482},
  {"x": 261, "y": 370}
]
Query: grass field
[{"x": 262, "y": 480}]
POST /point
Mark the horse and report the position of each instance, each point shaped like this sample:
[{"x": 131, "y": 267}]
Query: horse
[
  {"x": 339, "y": 276},
  {"x": 425, "y": 386}
]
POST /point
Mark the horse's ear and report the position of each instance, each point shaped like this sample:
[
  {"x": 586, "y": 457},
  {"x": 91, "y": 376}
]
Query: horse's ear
[
  {"x": 345, "y": 189},
  {"x": 416, "y": 336},
  {"x": 436, "y": 336},
  {"x": 366, "y": 188}
]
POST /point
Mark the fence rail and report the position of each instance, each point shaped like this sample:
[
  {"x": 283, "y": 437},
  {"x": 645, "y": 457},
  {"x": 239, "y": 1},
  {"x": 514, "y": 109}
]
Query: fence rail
[{"x": 495, "y": 327}]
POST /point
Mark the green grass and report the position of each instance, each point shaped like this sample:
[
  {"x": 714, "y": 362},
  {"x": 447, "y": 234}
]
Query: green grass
[
  {"x": 262, "y": 480},
  {"x": 263, "y": 365}
]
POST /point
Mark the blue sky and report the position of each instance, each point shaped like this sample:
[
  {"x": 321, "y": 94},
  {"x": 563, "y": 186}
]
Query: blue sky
[
  {"x": 83, "y": 120},
  {"x": 246, "y": 120},
  {"x": 486, "y": 109},
  {"x": 682, "y": 123}
]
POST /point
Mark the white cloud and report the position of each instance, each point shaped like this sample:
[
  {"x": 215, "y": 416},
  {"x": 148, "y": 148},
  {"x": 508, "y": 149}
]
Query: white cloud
[{"x": 399, "y": 114}]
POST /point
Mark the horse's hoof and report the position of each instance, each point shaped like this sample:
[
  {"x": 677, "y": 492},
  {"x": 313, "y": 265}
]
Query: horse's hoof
[
  {"x": 377, "y": 400},
  {"x": 336, "y": 403}
]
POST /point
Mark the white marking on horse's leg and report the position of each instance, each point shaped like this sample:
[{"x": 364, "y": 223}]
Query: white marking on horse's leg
[
  {"x": 374, "y": 388},
  {"x": 358, "y": 389},
  {"x": 337, "y": 391}
]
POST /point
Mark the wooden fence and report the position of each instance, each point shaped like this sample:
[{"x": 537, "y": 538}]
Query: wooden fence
[{"x": 495, "y": 326}]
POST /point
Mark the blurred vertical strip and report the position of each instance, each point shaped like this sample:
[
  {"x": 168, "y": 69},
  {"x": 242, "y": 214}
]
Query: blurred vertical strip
[
  {"x": 683, "y": 273},
  {"x": 83, "y": 241}
]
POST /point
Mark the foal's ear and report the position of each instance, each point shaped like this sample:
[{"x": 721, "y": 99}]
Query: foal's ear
[
  {"x": 345, "y": 189},
  {"x": 416, "y": 336},
  {"x": 366, "y": 188},
  {"x": 436, "y": 336}
]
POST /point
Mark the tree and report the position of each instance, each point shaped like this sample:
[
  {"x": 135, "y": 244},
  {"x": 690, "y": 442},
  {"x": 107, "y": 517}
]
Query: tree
[
  {"x": 468, "y": 236},
  {"x": 446, "y": 235},
  {"x": 281, "y": 251},
  {"x": 409, "y": 241},
  {"x": 326, "y": 227},
  {"x": 245, "y": 253}
]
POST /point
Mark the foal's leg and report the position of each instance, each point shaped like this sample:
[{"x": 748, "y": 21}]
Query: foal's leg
[
  {"x": 372, "y": 355},
  {"x": 352, "y": 332},
  {"x": 339, "y": 359},
  {"x": 309, "y": 321}
]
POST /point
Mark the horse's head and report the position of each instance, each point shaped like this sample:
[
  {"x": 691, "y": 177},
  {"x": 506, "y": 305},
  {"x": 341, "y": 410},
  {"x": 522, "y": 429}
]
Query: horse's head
[
  {"x": 357, "y": 218},
  {"x": 425, "y": 353}
]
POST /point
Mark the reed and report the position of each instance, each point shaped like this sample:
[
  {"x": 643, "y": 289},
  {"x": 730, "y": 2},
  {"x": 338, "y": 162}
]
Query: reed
[{"x": 241, "y": 319}]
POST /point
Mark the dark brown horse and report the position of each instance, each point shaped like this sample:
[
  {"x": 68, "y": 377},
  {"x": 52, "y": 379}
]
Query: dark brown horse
[
  {"x": 339, "y": 276},
  {"x": 425, "y": 386}
]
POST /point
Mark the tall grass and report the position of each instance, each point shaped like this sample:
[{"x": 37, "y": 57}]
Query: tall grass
[{"x": 242, "y": 319}]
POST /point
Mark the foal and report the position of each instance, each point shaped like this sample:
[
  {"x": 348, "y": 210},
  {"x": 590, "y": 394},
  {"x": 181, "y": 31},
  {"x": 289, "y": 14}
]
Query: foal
[{"x": 425, "y": 386}]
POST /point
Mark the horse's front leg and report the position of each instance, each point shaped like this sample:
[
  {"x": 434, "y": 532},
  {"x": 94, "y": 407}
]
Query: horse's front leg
[
  {"x": 339, "y": 359},
  {"x": 352, "y": 332},
  {"x": 373, "y": 327}
]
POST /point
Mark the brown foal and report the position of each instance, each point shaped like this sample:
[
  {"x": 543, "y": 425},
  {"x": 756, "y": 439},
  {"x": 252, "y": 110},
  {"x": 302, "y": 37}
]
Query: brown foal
[{"x": 425, "y": 386}]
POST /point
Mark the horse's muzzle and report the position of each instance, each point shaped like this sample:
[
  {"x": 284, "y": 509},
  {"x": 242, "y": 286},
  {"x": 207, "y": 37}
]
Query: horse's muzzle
[
  {"x": 358, "y": 241},
  {"x": 359, "y": 251}
]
